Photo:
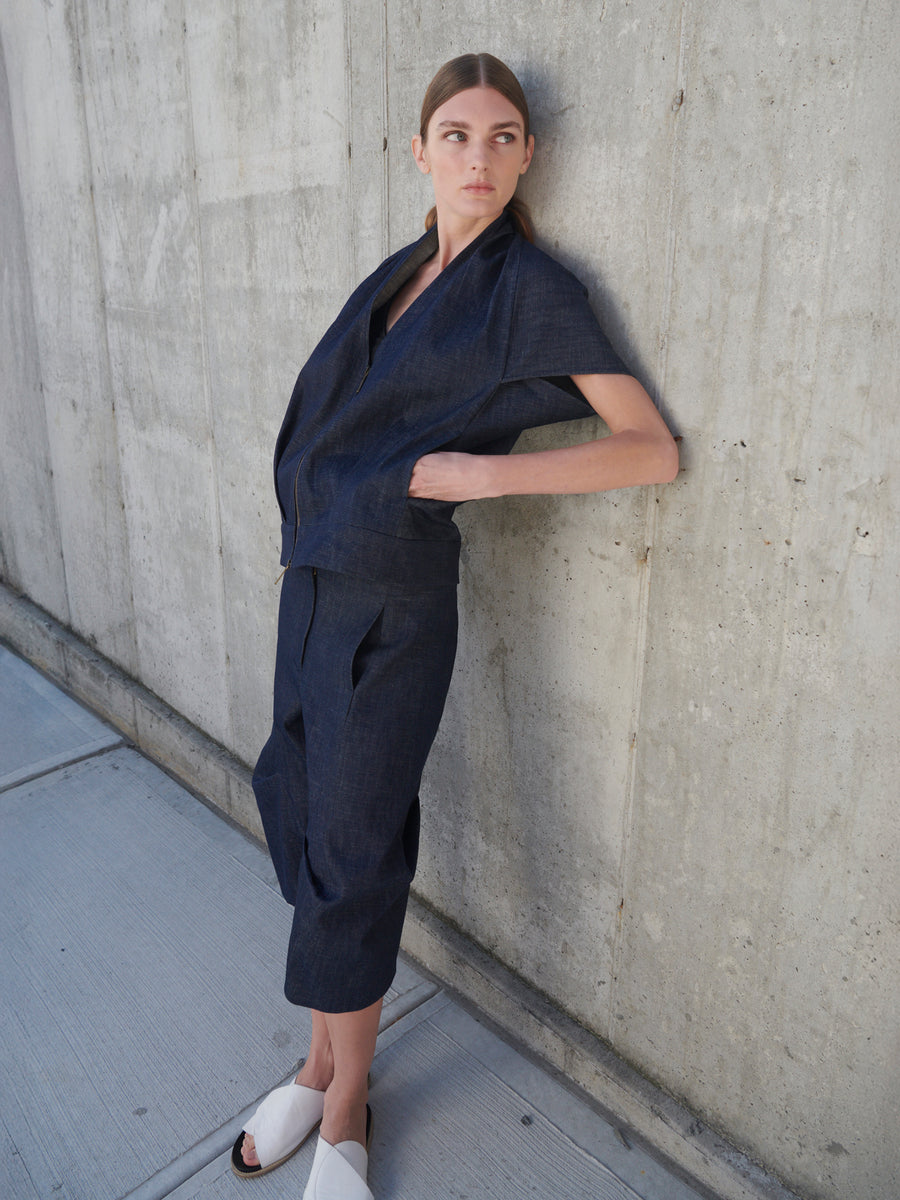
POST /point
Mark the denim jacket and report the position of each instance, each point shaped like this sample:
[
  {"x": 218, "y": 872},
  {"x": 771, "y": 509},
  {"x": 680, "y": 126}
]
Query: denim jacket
[{"x": 483, "y": 353}]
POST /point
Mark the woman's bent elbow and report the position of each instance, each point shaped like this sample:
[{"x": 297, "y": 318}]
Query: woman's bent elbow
[{"x": 667, "y": 464}]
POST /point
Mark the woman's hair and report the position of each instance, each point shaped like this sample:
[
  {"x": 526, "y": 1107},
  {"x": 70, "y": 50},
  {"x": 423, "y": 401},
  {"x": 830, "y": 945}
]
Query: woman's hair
[{"x": 471, "y": 71}]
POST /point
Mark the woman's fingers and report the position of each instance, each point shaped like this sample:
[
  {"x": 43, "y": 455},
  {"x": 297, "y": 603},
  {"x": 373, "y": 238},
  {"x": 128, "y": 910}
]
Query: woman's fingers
[{"x": 447, "y": 475}]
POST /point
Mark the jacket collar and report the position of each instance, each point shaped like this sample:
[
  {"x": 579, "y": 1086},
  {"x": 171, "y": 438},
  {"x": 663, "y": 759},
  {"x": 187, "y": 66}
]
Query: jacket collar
[{"x": 419, "y": 252}]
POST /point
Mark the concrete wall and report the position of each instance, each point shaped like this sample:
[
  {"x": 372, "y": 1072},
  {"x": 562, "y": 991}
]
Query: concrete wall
[{"x": 663, "y": 790}]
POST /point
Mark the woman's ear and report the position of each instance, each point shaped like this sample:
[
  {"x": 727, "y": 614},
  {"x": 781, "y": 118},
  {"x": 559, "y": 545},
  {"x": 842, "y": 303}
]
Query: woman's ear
[
  {"x": 529, "y": 151},
  {"x": 418, "y": 149}
]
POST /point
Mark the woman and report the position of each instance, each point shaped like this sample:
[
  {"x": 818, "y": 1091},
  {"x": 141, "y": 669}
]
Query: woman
[{"x": 407, "y": 406}]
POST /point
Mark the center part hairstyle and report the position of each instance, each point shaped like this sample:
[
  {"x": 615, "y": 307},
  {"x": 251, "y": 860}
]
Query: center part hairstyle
[{"x": 472, "y": 71}]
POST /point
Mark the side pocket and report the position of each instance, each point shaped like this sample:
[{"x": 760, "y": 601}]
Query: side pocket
[
  {"x": 423, "y": 517},
  {"x": 363, "y": 653}
]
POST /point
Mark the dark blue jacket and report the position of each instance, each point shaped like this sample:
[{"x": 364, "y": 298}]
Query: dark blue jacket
[{"x": 483, "y": 353}]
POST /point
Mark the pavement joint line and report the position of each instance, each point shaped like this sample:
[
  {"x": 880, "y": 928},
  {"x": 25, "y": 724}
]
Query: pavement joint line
[
  {"x": 406, "y": 1003},
  {"x": 193, "y": 1160},
  {"x": 63, "y": 766},
  {"x": 177, "y": 1172}
]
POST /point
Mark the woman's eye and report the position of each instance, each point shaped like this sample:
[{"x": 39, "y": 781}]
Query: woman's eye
[
  {"x": 506, "y": 137},
  {"x": 456, "y": 135}
]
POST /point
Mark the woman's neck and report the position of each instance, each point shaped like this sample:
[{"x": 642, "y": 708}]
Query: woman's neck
[{"x": 455, "y": 234}]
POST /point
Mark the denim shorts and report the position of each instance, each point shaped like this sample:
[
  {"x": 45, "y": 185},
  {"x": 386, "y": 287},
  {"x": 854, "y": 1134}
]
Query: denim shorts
[{"x": 361, "y": 677}]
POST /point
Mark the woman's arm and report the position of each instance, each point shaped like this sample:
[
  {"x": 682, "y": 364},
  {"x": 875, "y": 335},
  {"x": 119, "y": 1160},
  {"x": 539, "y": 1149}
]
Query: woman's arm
[{"x": 638, "y": 450}]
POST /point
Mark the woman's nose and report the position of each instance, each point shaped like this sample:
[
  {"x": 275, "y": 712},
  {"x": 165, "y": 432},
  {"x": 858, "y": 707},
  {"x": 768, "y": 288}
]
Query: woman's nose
[{"x": 478, "y": 156}]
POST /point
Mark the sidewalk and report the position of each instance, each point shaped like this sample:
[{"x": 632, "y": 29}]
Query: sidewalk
[{"x": 142, "y": 1018}]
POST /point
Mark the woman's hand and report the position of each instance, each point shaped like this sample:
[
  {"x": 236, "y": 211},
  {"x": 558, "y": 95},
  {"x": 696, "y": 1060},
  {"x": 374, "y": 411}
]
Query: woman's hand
[{"x": 449, "y": 475}]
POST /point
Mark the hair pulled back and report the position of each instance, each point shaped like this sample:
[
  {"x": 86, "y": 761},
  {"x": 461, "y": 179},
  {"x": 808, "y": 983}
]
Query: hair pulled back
[{"x": 471, "y": 71}]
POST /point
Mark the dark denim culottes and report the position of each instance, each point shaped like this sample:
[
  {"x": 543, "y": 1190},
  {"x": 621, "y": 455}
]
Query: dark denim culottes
[{"x": 361, "y": 677}]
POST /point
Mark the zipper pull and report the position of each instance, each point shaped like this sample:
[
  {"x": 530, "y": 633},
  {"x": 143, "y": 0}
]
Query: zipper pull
[
  {"x": 363, "y": 380},
  {"x": 281, "y": 576}
]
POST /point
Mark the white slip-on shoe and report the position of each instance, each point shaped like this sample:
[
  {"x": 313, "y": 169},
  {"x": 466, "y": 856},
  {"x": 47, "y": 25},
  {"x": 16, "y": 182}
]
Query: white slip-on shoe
[
  {"x": 280, "y": 1126},
  {"x": 339, "y": 1172}
]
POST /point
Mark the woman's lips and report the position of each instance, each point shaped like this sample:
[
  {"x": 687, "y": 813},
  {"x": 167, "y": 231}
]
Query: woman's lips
[{"x": 479, "y": 188}]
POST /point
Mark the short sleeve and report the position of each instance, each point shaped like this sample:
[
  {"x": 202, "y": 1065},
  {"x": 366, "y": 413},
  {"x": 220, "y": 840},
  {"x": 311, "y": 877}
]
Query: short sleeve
[{"x": 554, "y": 331}]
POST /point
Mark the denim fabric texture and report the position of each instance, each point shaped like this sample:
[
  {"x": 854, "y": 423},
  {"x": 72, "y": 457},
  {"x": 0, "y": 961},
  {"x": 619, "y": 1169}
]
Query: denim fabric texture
[
  {"x": 483, "y": 353},
  {"x": 367, "y": 625},
  {"x": 360, "y": 683}
]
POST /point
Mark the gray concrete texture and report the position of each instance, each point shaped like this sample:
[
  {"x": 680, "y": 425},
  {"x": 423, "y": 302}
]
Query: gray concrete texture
[
  {"x": 161, "y": 1023},
  {"x": 663, "y": 790}
]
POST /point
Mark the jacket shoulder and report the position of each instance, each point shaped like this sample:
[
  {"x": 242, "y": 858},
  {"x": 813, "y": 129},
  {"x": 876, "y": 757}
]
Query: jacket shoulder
[
  {"x": 554, "y": 330},
  {"x": 537, "y": 268}
]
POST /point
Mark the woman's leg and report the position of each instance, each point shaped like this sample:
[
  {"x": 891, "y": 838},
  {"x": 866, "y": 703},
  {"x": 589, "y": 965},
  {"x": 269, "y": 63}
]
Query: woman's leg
[
  {"x": 376, "y": 673},
  {"x": 318, "y": 1069},
  {"x": 341, "y": 1050},
  {"x": 353, "y": 1037},
  {"x": 317, "y": 1072}
]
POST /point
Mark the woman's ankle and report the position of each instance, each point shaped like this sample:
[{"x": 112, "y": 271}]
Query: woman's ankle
[
  {"x": 345, "y": 1116},
  {"x": 317, "y": 1072},
  {"x": 347, "y": 1093}
]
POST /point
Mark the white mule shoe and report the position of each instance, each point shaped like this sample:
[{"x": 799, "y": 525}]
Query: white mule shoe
[
  {"x": 339, "y": 1172},
  {"x": 280, "y": 1126}
]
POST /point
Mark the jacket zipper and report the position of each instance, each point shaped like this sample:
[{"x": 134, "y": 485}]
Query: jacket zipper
[
  {"x": 296, "y": 483},
  {"x": 296, "y": 517}
]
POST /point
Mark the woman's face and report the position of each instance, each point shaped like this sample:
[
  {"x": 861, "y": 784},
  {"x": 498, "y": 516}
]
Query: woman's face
[{"x": 475, "y": 152}]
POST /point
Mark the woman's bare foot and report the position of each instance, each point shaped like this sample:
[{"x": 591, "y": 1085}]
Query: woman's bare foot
[
  {"x": 248, "y": 1151},
  {"x": 316, "y": 1075}
]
